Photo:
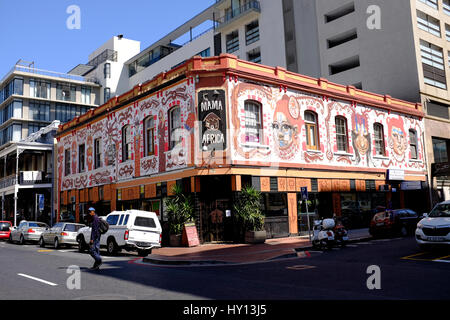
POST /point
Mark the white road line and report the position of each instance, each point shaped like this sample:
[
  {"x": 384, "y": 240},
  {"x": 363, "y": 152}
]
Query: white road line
[
  {"x": 445, "y": 261},
  {"x": 37, "y": 279}
]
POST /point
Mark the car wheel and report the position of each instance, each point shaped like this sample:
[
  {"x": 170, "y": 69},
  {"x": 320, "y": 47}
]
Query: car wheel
[
  {"x": 41, "y": 243},
  {"x": 81, "y": 245},
  {"x": 403, "y": 231},
  {"x": 111, "y": 247},
  {"x": 144, "y": 253},
  {"x": 56, "y": 243}
]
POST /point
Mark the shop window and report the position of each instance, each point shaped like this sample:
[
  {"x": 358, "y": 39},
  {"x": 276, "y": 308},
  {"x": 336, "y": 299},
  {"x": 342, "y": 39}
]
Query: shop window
[
  {"x": 379, "y": 139},
  {"x": 274, "y": 204},
  {"x": 175, "y": 126},
  {"x": 149, "y": 129},
  {"x": 312, "y": 140},
  {"x": 253, "y": 122},
  {"x": 127, "y": 139},
  {"x": 413, "y": 143},
  {"x": 341, "y": 134}
]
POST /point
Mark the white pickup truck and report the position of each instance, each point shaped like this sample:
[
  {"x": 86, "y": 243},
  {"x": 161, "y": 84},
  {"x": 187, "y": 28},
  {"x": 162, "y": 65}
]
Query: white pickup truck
[{"x": 132, "y": 230}]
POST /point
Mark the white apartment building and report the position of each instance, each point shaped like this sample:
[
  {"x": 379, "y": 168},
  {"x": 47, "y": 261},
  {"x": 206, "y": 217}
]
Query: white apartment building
[{"x": 400, "y": 48}]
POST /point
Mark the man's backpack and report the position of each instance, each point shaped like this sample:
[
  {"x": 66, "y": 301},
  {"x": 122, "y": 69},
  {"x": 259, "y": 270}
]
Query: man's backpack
[{"x": 103, "y": 226}]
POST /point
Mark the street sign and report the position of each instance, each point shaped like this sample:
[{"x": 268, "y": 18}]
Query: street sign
[
  {"x": 41, "y": 202},
  {"x": 304, "y": 191}
]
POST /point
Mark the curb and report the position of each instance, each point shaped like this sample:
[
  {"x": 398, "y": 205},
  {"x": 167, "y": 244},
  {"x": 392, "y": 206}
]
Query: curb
[{"x": 218, "y": 262}]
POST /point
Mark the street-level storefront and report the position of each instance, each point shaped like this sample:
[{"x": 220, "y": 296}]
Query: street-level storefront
[{"x": 214, "y": 125}]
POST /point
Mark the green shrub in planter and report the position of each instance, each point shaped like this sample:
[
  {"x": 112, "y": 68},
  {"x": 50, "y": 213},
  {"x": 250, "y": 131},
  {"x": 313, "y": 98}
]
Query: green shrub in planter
[
  {"x": 180, "y": 210},
  {"x": 249, "y": 217}
]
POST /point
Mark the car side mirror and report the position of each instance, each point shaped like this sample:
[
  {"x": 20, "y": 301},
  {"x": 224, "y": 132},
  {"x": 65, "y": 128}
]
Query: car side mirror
[{"x": 424, "y": 215}]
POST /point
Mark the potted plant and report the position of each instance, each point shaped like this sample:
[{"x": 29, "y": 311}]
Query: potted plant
[
  {"x": 249, "y": 217},
  {"x": 180, "y": 211}
]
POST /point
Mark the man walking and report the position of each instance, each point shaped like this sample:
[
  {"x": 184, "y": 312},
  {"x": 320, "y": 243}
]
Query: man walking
[{"x": 94, "y": 244}]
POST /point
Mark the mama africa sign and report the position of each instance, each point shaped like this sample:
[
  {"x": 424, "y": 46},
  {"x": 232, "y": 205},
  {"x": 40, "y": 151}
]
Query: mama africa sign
[{"x": 212, "y": 115}]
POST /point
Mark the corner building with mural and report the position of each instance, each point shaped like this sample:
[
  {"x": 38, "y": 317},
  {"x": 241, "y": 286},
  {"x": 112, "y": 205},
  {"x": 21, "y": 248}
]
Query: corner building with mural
[{"x": 214, "y": 125}]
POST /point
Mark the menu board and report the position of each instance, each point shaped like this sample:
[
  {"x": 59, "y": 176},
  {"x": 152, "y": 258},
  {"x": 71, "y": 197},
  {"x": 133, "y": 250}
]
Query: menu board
[{"x": 190, "y": 235}]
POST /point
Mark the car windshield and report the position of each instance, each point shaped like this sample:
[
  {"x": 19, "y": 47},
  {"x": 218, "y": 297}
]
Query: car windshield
[
  {"x": 4, "y": 226},
  {"x": 441, "y": 211}
]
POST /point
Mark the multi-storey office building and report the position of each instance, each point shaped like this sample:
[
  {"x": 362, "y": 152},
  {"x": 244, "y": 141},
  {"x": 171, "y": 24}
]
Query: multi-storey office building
[
  {"x": 30, "y": 100},
  {"x": 213, "y": 125},
  {"x": 400, "y": 48}
]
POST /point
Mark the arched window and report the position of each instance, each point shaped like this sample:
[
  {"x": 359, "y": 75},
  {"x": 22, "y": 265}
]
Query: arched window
[
  {"x": 127, "y": 139},
  {"x": 379, "y": 139},
  {"x": 253, "y": 122},
  {"x": 341, "y": 134},
  {"x": 149, "y": 138},
  {"x": 175, "y": 136},
  {"x": 312, "y": 138},
  {"x": 413, "y": 143}
]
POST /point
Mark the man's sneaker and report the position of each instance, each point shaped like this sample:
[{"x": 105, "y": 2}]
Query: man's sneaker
[{"x": 96, "y": 266}]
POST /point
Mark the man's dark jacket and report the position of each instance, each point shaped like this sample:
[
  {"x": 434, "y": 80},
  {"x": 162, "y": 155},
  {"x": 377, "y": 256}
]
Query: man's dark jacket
[{"x": 95, "y": 233}]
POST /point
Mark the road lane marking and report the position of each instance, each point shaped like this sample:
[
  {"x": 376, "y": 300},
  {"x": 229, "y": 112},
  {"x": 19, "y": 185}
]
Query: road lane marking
[
  {"x": 37, "y": 279},
  {"x": 414, "y": 255},
  {"x": 41, "y": 251},
  {"x": 442, "y": 258},
  {"x": 445, "y": 261},
  {"x": 301, "y": 267}
]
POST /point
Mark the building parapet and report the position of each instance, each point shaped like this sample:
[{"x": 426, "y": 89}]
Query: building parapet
[{"x": 233, "y": 68}]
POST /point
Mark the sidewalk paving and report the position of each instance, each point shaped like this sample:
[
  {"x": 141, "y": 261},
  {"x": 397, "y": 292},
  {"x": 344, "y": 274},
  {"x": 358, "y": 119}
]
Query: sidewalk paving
[{"x": 239, "y": 253}]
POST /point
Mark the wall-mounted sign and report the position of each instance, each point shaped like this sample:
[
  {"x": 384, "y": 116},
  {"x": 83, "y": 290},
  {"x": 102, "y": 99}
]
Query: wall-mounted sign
[
  {"x": 212, "y": 115},
  {"x": 411, "y": 185},
  {"x": 396, "y": 175}
]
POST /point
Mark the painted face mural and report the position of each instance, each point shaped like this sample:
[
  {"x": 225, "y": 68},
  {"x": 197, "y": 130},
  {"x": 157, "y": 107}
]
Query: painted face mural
[
  {"x": 361, "y": 139},
  {"x": 286, "y": 127},
  {"x": 397, "y": 138}
]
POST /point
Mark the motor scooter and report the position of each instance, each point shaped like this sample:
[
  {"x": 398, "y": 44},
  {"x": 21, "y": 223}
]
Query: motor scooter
[
  {"x": 340, "y": 232},
  {"x": 323, "y": 235}
]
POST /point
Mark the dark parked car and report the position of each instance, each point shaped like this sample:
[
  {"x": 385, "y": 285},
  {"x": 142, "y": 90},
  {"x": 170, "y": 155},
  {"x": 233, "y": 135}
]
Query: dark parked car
[{"x": 401, "y": 222}]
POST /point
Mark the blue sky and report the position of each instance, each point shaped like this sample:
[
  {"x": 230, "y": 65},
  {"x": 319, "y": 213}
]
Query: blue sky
[{"x": 36, "y": 30}]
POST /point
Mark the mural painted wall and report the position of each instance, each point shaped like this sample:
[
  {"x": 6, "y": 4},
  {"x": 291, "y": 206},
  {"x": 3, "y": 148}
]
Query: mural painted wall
[
  {"x": 108, "y": 131},
  {"x": 290, "y": 135}
]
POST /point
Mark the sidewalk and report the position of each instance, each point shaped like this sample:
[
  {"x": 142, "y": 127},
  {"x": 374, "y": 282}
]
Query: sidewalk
[{"x": 239, "y": 253}]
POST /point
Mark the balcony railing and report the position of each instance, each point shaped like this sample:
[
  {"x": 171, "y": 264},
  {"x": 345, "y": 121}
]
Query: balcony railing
[
  {"x": 233, "y": 14},
  {"x": 106, "y": 55},
  {"x": 26, "y": 178}
]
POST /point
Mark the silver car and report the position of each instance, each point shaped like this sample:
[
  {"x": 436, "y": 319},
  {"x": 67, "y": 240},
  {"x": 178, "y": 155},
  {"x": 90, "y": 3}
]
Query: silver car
[
  {"x": 27, "y": 231},
  {"x": 63, "y": 233}
]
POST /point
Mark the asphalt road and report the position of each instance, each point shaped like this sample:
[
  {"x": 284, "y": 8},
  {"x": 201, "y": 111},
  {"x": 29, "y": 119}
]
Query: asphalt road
[{"x": 31, "y": 273}]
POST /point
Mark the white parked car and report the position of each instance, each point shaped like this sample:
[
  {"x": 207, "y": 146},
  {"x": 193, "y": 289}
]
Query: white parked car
[
  {"x": 27, "y": 231},
  {"x": 434, "y": 229},
  {"x": 62, "y": 233},
  {"x": 132, "y": 230}
]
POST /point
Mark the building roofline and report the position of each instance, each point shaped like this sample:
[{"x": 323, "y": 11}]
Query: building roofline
[
  {"x": 203, "y": 16},
  {"x": 232, "y": 68}
]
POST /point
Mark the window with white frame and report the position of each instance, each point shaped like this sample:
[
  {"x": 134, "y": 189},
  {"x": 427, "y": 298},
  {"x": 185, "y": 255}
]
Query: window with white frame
[
  {"x": 253, "y": 122},
  {"x": 433, "y": 65},
  {"x": 127, "y": 145},
  {"x": 428, "y": 23},
  {"x": 85, "y": 95},
  {"x": 379, "y": 139},
  {"x": 431, "y": 3},
  {"x": 446, "y": 6},
  {"x": 175, "y": 126},
  {"x": 413, "y": 143},
  {"x": 149, "y": 131},
  {"x": 341, "y": 134},
  {"x": 97, "y": 153}
]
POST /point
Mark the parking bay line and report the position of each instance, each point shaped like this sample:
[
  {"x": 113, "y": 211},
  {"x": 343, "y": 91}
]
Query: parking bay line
[{"x": 37, "y": 279}]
